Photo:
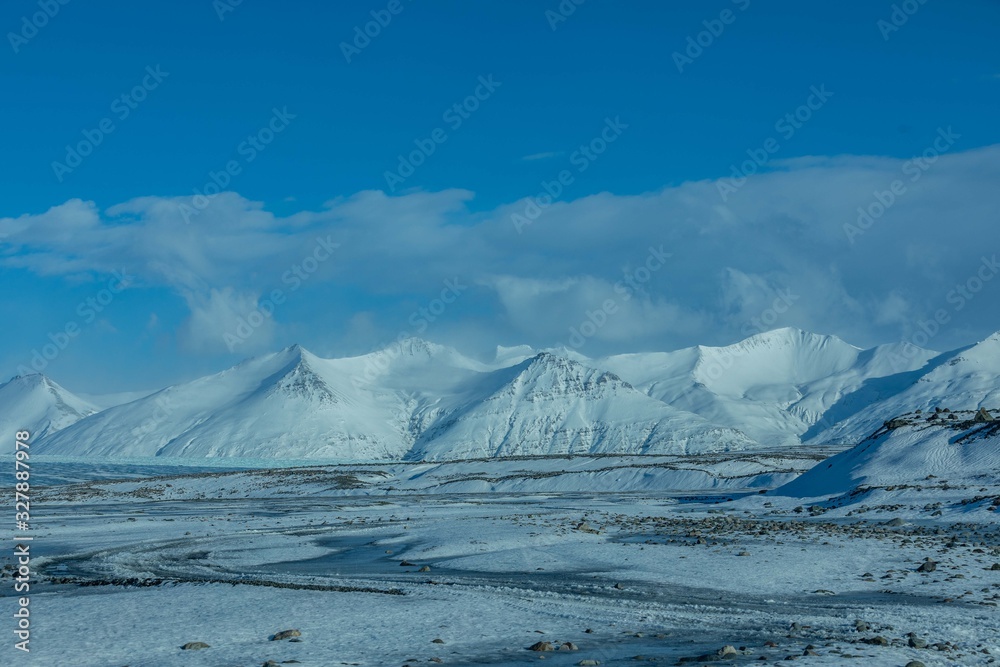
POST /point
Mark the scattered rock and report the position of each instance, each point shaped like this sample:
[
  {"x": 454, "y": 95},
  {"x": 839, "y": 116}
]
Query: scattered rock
[
  {"x": 437, "y": 641},
  {"x": 927, "y": 566},
  {"x": 194, "y": 646},
  {"x": 425, "y": 568},
  {"x": 541, "y": 646},
  {"x": 285, "y": 634}
]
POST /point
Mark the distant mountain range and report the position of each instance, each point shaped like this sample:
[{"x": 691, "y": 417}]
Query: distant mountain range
[{"x": 421, "y": 401}]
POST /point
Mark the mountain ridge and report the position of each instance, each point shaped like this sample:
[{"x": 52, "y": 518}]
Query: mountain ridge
[{"x": 417, "y": 399}]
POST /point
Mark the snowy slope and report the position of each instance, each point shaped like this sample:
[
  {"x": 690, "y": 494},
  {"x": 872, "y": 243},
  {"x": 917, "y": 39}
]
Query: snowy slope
[
  {"x": 418, "y": 400},
  {"x": 37, "y": 404},
  {"x": 965, "y": 379},
  {"x": 551, "y": 405},
  {"x": 774, "y": 386},
  {"x": 105, "y": 401},
  {"x": 286, "y": 405},
  {"x": 960, "y": 452},
  {"x": 415, "y": 401}
]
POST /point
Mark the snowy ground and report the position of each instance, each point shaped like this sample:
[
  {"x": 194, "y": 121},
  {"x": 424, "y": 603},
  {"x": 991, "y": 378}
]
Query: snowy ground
[{"x": 518, "y": 553}]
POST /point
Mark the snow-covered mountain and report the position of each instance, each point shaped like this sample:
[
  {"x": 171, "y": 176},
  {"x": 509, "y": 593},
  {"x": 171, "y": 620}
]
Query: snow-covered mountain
[
  {"x": 285, "y": 405},
  {"x": 38, "y": 405},
  {"x": 964, "y": 379},
  {"x": 937, "y": 449},
  {"x": 552, "y": 405},
  {"x": 416, "y": 400},
  {"x": 775, "y": 386},
  {"x": 419, "y": 400}
]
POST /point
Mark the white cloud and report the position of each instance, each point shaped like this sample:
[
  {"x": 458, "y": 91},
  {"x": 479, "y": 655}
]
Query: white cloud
[
  {"x": 222, "y": 315},
  {"x": 729, "y": 260}
]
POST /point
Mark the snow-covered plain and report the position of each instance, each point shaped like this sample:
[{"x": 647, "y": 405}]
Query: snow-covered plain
[{"x": 661, "y": 557}]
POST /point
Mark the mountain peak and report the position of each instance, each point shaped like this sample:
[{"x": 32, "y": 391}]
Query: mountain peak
[
  {"x": 302, "y": 380},
  {"x": 792, "y": 336},
  {"x": 980, "y": 358},
  {"x": 568, "y": 374},
  {"x": 296, "y": 351},
  {"x": 39, "y": 405},
  {"x": 992, "y": 339},
  {"x": 419, "y": 347},
  {"x": 42, "y": 382},
  {"x": 29, "y": 379},
  {"x": 411, "y": 347},
  {"x": 516, "y": 353}
]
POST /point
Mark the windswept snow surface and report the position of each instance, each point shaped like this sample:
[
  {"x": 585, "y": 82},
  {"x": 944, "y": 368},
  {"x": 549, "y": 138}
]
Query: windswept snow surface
[
  {"x": 374, "y": 564},
  {"x": 918, "y": 467}
]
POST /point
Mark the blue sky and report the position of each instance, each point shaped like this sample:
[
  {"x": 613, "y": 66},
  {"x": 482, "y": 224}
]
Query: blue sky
[{"x": 308, "y": 138}]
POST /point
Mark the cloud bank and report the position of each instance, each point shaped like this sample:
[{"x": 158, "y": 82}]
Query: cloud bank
[{"x": 868, "y": 248}]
